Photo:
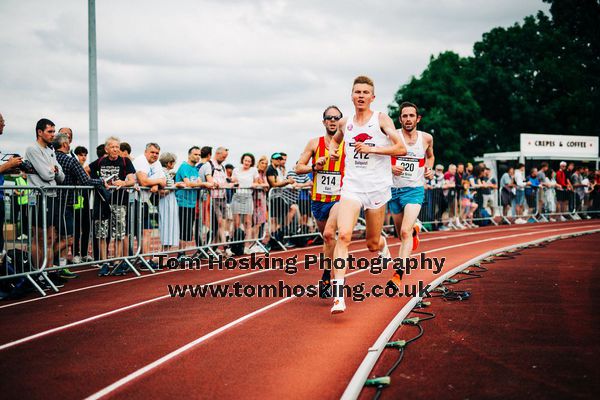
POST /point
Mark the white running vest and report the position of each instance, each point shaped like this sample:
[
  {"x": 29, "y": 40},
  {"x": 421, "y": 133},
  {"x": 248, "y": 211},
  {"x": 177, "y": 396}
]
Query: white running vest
[
  {"x": 413, "y": 163},
  {"x": 370, "y": 172}
]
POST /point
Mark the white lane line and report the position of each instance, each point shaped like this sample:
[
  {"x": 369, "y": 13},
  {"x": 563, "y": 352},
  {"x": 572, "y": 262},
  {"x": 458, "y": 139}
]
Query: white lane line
[
  {"x": 155, "y": 364},
  {"x": 152, "y": 300},
  {"x": 180, "y": 350},
  {"x": 521, "y": 227}
]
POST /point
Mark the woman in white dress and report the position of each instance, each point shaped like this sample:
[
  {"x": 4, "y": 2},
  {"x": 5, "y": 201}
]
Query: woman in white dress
[{"x": 168, "y": 212}]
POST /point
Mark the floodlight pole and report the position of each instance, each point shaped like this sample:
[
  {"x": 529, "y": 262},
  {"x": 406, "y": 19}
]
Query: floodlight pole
[{"x": 92, "y": 76}]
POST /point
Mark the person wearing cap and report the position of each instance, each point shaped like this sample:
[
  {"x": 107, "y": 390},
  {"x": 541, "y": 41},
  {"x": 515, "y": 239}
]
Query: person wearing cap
[{"x": 279, "y": 206}]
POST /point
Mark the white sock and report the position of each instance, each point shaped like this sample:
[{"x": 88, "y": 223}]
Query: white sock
[{"x": 336, "y": 286}]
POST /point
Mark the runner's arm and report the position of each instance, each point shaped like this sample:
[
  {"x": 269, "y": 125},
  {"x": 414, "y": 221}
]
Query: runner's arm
[
  {"x": 429, "y": 156},
  {"x": 334, "y": 145},
  {"x": 302, "y": 167}
]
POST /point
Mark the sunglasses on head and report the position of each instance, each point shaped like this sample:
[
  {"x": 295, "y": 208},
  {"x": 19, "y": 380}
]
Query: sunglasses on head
[{"x": 332, "y": 117}]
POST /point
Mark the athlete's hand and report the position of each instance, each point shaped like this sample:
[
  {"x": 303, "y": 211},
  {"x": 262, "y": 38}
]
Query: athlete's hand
[
  {"x": 363, "y": 148},
  {"x": 333, "y": 155},
  {"x": 320, "y": 163},
  {"x": 397, "y": 169},
  {"x": 428, "y": 173}
]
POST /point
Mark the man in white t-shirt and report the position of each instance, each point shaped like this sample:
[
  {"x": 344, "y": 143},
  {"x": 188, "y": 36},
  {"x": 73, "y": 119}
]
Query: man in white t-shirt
[
  {"x": 213, "y": 172},
  {"x": 149, "y": 174}
]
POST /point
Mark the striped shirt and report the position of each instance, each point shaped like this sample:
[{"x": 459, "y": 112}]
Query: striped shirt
[
  {"x": 74, "y": 175},
  {"x": 330, "y": 178}
]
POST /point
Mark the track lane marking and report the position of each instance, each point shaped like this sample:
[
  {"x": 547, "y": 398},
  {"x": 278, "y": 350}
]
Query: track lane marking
[
  {"x": 155, "y": 299},
  {"x": 149, "y": 367}
]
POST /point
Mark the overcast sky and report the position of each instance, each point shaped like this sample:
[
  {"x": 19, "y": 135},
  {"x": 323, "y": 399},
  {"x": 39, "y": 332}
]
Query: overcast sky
[{"x": 248, "y": 75}]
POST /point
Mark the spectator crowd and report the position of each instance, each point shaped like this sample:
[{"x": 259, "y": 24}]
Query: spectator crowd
[{"x": 207, "y": 200}]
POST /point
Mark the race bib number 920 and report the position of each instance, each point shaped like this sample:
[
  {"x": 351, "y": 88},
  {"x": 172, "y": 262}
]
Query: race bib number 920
[{"x": 410, "y": 165}]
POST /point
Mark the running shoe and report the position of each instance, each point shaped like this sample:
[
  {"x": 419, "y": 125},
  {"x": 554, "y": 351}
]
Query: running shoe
[
  {"x": 385, "y": 252},
  {"x": 396, "y": 280},
  {"x": 104, "y": 270},
  {"x": 121, "y": 269},
  {"x": 339, "y": 306},
  {"x": 67, "y": 274},
  {"x": 56, "y": 280},
  {"x": 416, "y": 240}
]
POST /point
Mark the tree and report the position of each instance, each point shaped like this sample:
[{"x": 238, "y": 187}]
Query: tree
[
  {"x": 446, "y": 102},
  {"x": 542, "y": 75}
]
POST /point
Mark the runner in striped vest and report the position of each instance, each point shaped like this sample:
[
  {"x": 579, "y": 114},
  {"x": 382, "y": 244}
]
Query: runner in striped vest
[{"x": 327, "y": 182}]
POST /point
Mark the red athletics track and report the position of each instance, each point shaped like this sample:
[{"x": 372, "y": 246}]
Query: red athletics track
[{"x": 283, "y": 351}]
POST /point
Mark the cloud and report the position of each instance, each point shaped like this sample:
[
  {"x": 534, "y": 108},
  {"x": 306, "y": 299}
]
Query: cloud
[{"x": 249, "y": 75}]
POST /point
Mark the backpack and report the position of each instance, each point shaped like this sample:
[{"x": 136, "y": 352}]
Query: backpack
[{"x": 15, "y": 261}]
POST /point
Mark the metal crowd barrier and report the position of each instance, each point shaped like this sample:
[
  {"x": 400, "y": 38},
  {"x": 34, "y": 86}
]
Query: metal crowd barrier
[
  {"x": 204, "y": 222},
  {"x": 547, "y": 204},
  {"x": 291, "y": 222},
  {"x": 23, "y": 229},
  {"x": 445, "y": 209},
  {"x": 83, "y": 226}
]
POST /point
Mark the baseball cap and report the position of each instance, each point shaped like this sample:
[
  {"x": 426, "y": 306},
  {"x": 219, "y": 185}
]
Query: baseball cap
[{"x": 276, "y": 156}]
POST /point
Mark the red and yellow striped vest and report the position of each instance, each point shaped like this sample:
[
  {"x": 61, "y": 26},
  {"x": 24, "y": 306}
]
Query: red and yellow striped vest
[{"x": 331, "y": 166}]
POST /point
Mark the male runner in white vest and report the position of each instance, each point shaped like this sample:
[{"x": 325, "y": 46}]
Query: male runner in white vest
[
  {"x": 370, "y": 138},
  {"x": 409, "y": 172}
]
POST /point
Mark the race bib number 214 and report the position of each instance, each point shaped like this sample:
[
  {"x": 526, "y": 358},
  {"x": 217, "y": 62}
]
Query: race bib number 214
[{"x": 329, "y": 183}]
